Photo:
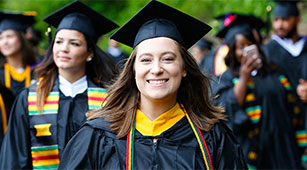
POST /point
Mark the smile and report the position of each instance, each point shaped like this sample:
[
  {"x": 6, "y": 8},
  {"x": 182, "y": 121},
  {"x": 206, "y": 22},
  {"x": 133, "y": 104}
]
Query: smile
[{"x": 157, "y": 82}]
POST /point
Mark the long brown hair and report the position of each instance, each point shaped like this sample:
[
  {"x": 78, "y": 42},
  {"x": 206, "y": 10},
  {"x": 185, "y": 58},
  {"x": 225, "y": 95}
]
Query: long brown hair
[
  {"x": 28, "y": 55},
  {"x": 193, "y": 94},
  {"x": 101, "y": 69}
]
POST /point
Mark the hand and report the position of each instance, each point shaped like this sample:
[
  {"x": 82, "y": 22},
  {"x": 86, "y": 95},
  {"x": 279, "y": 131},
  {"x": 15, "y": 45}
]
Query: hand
[
  {"x": 248, "y": 64},
  {"x": 302, "y": 90}
]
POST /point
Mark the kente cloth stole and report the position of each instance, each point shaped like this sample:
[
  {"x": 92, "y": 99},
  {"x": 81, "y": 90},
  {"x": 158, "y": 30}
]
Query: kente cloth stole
[
  {"x": 219, "y": 60},
  {"x": 200, "y": 139},
  {"x": 43, "y": 125},
  {"x": 253, "y": 110},
  {"x": 11, "y": 71},
  {"x": 297, "y": 116}
]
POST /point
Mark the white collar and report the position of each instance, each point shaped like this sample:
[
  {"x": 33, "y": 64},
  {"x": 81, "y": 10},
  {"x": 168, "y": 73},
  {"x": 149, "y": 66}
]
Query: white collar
[
  {"x": 294, "y": 49},
  {"x": 72, "y": 89}
]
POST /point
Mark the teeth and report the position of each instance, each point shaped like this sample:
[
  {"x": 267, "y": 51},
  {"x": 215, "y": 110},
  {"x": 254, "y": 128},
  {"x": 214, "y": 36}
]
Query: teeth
[{"x": 157, "y": 81}]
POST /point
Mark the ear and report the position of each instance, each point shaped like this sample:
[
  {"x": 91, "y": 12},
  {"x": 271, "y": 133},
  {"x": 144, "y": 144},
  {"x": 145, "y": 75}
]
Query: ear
[
  {"x": 90, "y": 56},
  {"x": 184, "y": 73}
]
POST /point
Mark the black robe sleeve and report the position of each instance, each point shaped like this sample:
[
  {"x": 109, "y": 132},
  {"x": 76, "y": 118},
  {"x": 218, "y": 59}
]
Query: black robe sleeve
[
  {"x": 228, "y": 153},
  {"x": 223, "y": 88},
  {"x": 8, "y": 99},
  {"x": 15, "y": 151}
]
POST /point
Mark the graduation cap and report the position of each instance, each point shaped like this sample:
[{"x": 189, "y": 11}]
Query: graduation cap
[
  {"x": 285, "y": 8},
  {"x": 159, "y": 20},
  {"x": 240, "y": 24},
  {"x": 15, "y": 21},
  {"x": 203, "y": 44},
  {"x": 232, "y": 19},
  {"x": 78, "y": 16}
]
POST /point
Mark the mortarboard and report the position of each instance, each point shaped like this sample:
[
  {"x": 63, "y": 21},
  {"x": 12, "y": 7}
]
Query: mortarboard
[
  {"x": 159, "y": 20},
  {"x": 78, "y": 16},
  {"x": 15, "y": 21},
  {"x": 240, "y": 24},
  {"x": 231, "y": 19},
  {"x": 285, "y": 8}
]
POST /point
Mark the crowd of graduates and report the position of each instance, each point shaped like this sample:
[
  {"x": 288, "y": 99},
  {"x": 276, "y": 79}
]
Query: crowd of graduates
[{"x": 241, "y": 105}]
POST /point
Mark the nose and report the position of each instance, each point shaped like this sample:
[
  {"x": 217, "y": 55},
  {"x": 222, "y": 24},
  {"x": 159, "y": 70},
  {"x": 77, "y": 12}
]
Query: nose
[
  {"x": 156, "y": 68},
  {"x": 64, "y": 47}
]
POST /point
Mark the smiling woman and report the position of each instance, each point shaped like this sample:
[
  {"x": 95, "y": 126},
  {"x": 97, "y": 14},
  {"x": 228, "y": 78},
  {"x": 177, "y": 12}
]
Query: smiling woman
[
  {"x": 158, "y": 113},
  {"x": 71, "y": 81}
]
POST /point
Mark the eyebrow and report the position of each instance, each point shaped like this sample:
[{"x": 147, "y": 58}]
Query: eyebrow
[
  {"x": 164, "y": 53},
  {"x": 69, "y": 39}
]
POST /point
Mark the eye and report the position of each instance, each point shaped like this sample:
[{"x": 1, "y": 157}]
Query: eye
[
  {"x": 75, "y": 44},
  {"x": 145, "y": 60},
  {"x": 58, "y": 41}
]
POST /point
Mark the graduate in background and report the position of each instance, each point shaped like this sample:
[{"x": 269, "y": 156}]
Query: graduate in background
[
  {"x": 16, "y": 70},
  {"x": 158, "y": 113},
  {"x": 214, "y": 62},
  {"x": 262, "y": 109},
  {"x": 117, "y": 54},
  {"x": 200, "y": 49},
  {"x": 72, "y": 78}
]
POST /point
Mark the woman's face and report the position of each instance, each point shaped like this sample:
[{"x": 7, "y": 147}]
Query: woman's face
[
  {"x": 70, "y": 51},
  {"x": 241, "y": 43},
  {"x": 10, "y": 43},
  {"x": 158, "y": 69}
]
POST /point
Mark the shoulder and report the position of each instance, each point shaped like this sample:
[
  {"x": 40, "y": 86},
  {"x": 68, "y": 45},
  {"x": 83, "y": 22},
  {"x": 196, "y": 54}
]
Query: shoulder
[{"x": 99, "y": 124}]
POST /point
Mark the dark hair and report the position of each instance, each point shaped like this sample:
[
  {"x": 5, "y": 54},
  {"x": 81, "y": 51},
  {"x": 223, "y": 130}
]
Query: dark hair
[
  {"x": 101, "y": 69},
  {"x": 28, "y": 55},
  {"x": 232, "y": 62},
  {"x": 193, "y": 94}
]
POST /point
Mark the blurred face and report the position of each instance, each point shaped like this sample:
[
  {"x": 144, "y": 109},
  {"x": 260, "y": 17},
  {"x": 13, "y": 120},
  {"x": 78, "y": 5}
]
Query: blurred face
[
  {"x": 158, "y": 69},
  {"x": 70, "y": 51},
  {"x": 10, "y": 43},
  {"x": 241, "y": 43},
  {"x": 285, "y": 27}
]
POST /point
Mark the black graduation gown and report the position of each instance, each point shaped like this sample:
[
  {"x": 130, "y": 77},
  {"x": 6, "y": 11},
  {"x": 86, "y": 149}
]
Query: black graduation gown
[
  {"x": 207, "y": 64},
  {"x": 96, "y": 147},
  {"x": 16, "y": 86},
  {"x": 8, "y": 99},
  {"x": 288, "y": 65},
  {"x": 277, "y": 142},
  {"x": 16, "y": 147}
]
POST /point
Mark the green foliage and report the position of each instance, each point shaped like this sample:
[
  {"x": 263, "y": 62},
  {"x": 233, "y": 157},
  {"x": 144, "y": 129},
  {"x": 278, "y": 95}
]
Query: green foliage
[{"x": 120, "y": 11}]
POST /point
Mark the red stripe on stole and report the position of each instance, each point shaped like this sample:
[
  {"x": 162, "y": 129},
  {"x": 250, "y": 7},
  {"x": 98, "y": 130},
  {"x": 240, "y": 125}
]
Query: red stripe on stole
[
  {"x": 201, "y": 135},
  {"x": 301, "y": 137},
  {"x": 96, "y": 98},
  {"x": 38, "y": 158},
  {"x": 47, "y": 102},
  {"x": 127, "y": 151}
]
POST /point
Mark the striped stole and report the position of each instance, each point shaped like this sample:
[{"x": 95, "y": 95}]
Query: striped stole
[
  {"x": 43, "y": 125},
  {"x": 253, "y": 110},
  {"x": 297, "y": 117}
]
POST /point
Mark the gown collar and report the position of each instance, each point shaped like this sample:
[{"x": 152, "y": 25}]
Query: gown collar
[
  {"x": 72, "y": 89},
  {"x": 165, "y": 121},
  {"x": 294, "y": 49}
]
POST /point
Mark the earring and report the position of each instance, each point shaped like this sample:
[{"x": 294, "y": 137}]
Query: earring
[{"x": 89, "y": 59}]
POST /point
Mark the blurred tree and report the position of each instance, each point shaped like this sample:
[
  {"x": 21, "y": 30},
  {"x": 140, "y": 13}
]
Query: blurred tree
[{"x": 121, "y": 11}]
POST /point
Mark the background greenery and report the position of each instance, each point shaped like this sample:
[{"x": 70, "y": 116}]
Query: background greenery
[{"x": 120, "y": 11}]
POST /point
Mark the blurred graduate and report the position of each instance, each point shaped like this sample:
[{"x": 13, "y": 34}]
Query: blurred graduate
[
  {"x": 260, "y": 104},
  {"x": 16, "y": 71},
  {"x": 71, "y": 80}
]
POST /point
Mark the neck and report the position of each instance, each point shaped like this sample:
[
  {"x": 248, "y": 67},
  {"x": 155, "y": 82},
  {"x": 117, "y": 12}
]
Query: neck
[
  {"x": 15, "y": 60},
  {"x": 295, "y": 37},
  {"x": 71, "y": 76},
  {"x": 153, "y": 109}
]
